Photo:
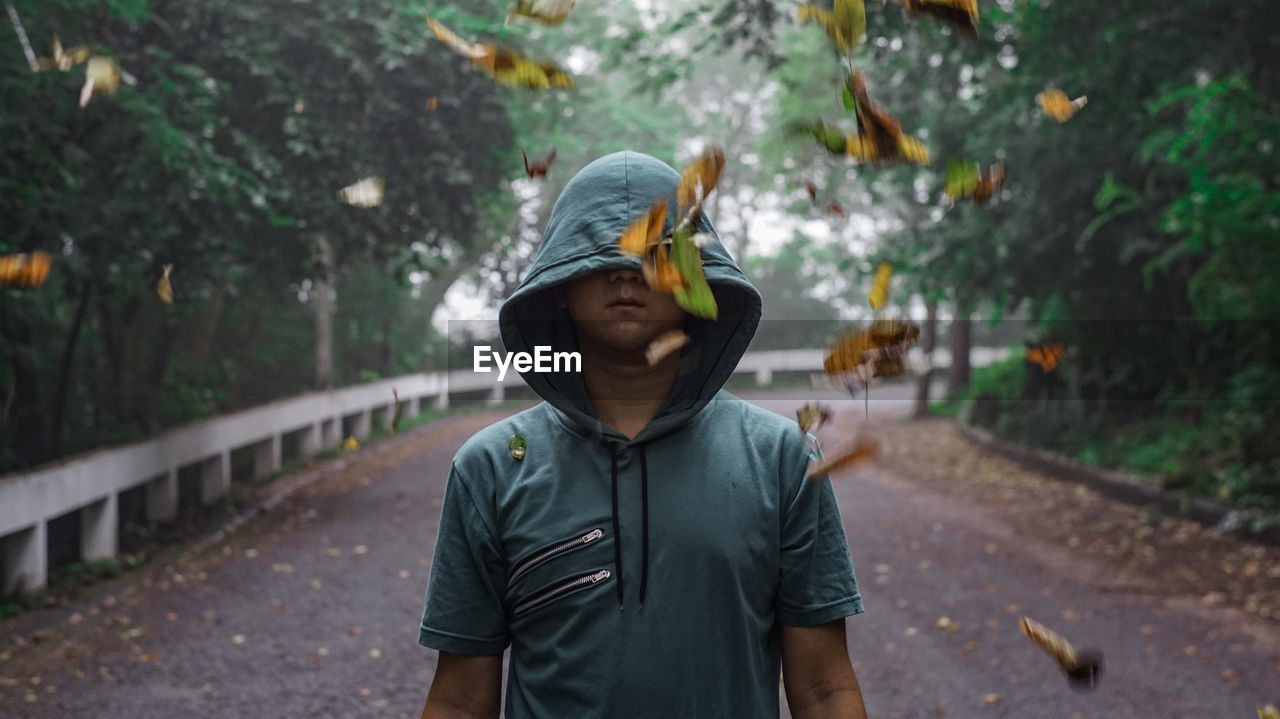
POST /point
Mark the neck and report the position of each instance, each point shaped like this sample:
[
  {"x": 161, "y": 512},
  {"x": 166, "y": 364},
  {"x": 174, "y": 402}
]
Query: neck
[{"x": 627, "y": 393}]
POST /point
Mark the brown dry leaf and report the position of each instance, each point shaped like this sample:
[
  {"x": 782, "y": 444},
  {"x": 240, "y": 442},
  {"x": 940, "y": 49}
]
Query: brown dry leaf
[
  {"x": 1230, "y": 676},
  {"x": 403, "y": 574},
  {"x": 505, "y": 65},
  {"x": 857, "y": 453},
  {"x": 699, "y": 178},
  {"x": 960, "y": 14},
  {"x": 664, "y": 345},
  {"x": 1055, "y": 104},
  {"x": 546, "y": 12},
  {"x": 148, "y": 657},
  {"x": 364, "y": 692},
  {"x": 375, "y": 653},
  {"x": 811, "y": 416},
  {"x": 880, "y": 137},
  {"x": 333, "y": 552},
  {"x": 646, "y": 231},
  {"x": 163, "y": 289},
  {"x": 354, "y": 631},
  {"x": 947, "y": 624}
]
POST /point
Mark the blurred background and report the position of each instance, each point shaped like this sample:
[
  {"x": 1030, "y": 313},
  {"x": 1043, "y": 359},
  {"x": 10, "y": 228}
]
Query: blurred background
[{"x": 1141, "y": 236}]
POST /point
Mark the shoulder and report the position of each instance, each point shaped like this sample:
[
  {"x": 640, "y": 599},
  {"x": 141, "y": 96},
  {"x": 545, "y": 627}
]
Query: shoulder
[
  {"x": 761, "y": 431},
  {"x": 490, "y": 449}
]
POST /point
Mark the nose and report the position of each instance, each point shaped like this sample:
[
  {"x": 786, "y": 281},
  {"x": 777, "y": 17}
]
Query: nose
[{"x": 625, "y": 275}]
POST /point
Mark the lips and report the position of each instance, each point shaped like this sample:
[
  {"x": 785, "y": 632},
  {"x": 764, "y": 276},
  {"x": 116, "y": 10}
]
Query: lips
[{"x": 626, "y": 302}]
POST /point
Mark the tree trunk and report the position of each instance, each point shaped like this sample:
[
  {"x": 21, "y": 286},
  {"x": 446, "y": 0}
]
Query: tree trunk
[
  {"x": 927, "y": 346},
  {"x": 64, "y": 371},
  {"x": 199, "y": 335},
  {"x": 961, "y": 339},
  {"x": 322, "y": 302}
]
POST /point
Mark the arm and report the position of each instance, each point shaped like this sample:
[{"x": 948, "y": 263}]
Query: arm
[
  {"x": 465, "y": 687},
  {"x": 817, "y": 675}
]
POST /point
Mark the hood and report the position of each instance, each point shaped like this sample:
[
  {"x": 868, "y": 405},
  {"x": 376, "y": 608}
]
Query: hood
[{"x": 581, "y": 238}]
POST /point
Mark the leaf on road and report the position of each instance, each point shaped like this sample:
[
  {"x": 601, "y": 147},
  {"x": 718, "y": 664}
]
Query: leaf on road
[
  {"x": 237, "y": 639},
  {"x": 992, "y": 698}
]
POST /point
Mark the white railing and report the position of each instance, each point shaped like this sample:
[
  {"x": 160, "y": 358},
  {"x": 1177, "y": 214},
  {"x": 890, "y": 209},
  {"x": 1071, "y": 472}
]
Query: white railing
[{"x": 90, "y": 484}]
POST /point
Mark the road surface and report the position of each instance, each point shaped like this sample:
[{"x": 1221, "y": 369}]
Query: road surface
[{"x": 312, "y": 609}]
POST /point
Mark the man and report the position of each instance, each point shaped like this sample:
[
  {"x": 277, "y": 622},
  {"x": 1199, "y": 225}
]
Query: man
[{"x": 655, "y": 552}]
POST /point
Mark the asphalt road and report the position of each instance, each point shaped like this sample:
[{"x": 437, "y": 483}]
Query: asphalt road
[{"x": 312, "y": 611}]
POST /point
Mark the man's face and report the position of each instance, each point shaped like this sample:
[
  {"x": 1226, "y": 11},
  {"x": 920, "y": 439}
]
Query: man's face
[{"x": 615, "y": 310}]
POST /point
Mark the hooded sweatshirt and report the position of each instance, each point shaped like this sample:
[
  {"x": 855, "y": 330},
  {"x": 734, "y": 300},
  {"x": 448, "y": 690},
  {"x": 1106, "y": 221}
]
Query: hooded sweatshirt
[{"x": 639, "y": 578}]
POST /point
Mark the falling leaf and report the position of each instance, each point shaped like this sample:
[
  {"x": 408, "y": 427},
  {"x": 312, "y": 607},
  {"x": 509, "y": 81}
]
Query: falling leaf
[
  {"x": 1083, "y": 668},
  {"x": 698, "y": 178},
  {"x": 547, "y": 12},
  {"x": 237, "y": 639},
  {"x": 102, "y": 75},
  {"x": 1055, "y": 104},
  {"x": 433, "y": 103},
  {"x": 645, "y": 232},
  {"x": 960, "y": 14},
  {"x": 968, "y": 179},
  {"x": 845, "y": 23},
  {"x": 859, "y": 452},
  {"x": 506, "y": 66},
  {"x": 25, "y": 270},
  {"x": 1268, "y": 712},
  {"x": 885, "y": 341},
  {"x": 880, "y": 288},
  {"x": 62, "y": 59},
  {"x": 517, "y": 447},
  {"x": 811, "y": 416},
  {"x": 364, "y": 193},
  {"x": 880, "y": 137},
  {"x": 538, "y": 169},
  {"x": 1045, "y": 356},
  {"x": 829, "y": 136},
  {"x": 812, "y": 189},
  {"x": 836, "y": 209},
  {"x": 992, "y": 698},
  {"x": 665, "y": 344},
  {"x": 163, "y": 288}
]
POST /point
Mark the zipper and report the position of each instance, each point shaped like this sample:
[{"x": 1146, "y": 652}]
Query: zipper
[
  {"x": 558, "y": 591},
  {"x": 553, "y": 551}
]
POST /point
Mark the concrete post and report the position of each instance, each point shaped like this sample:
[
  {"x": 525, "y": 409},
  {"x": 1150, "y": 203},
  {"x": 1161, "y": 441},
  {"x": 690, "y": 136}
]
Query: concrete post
[
  {"x": 266, "y": 457},
  {"x": 363, "y": 424},
  {"x": 26, "y": 559},
  {"x": 411, "y": 408},
  {"x": 496, "y": 394},
  {"x": 331, "y": 432},
  {"x": 215, "y": 477},
  {"x": 764, "y": 377},
  {"x": 162, "y": 497},
  {"x": 309, "y": 439},
  {"x": 99, "y": 523}
]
